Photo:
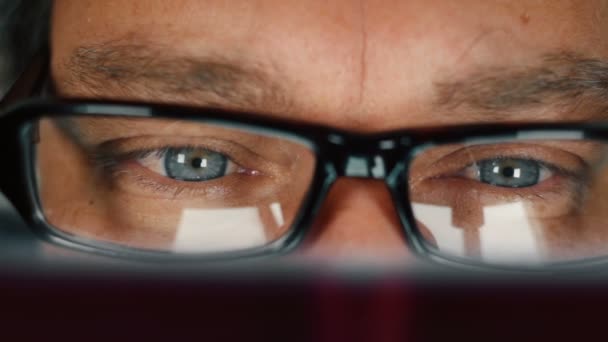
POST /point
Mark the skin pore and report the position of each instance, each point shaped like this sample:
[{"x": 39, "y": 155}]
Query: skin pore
[{"x": 365, "y": 66}]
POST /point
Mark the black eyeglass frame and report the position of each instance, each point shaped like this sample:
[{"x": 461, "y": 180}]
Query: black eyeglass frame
[{"x": 334, "y": 150}]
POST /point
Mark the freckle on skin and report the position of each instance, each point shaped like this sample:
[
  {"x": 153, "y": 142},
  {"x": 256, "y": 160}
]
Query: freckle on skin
[{"x": 525, "y": 18}]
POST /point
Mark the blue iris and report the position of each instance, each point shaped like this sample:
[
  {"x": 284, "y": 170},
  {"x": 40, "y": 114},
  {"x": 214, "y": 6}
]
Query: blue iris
[{"x": 194, "y": 164}]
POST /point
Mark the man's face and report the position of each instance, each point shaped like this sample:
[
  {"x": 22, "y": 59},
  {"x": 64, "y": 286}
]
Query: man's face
[{"x": 366, "y": 66}]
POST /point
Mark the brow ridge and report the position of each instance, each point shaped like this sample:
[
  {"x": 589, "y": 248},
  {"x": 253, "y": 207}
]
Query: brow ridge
[{"x": 148, "y": 70}]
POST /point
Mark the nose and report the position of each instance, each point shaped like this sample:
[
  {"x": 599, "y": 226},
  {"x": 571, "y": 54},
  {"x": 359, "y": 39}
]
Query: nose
[{"x": 357, "y": 221}]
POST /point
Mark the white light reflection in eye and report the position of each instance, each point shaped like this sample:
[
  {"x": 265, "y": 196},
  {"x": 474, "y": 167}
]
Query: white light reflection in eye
[
  {"x": 219, "y": 230},
  {"x": 517, "y": 173},
  {"x": 438, "y": 220},
  {"x": 507, "y": 237}
]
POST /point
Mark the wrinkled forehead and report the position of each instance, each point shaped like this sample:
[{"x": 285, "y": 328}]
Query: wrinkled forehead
[{"x": 367, "y": 63}]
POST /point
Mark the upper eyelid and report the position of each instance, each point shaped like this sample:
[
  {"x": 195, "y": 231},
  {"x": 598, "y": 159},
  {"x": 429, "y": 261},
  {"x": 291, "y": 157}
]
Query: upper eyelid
[{"x": 98, "y": 131}]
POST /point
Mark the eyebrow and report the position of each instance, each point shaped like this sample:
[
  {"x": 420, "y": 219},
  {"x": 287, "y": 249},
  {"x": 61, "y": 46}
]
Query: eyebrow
[
  {"x": 560, "y": 79},
  {"x": 146, "y": 69}
]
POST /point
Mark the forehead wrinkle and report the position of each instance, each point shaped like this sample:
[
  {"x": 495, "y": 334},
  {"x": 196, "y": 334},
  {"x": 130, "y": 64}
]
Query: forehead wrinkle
[
  {"x": 146, "y": 70},
  {"x": 561, "y": 78}
]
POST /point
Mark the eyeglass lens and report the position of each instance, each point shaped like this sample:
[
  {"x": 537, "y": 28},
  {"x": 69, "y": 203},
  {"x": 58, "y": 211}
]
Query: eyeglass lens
[
  {"x": 517, "y": 201},
  {"x": 169, "y": 185}
]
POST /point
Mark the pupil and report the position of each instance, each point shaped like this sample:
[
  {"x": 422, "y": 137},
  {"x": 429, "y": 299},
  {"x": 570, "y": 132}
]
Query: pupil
[
  {"x": 508, "y": 172},
  {"x": 197, "y": 162}
]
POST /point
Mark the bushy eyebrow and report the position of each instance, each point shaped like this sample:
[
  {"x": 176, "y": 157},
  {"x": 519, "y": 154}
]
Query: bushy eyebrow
[
  {"x": 560, "y": 78},
  {"x": 151, "y": 70}
]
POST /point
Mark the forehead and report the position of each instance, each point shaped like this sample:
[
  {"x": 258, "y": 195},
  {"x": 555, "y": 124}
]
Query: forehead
[{"x": 362, "y": 62}]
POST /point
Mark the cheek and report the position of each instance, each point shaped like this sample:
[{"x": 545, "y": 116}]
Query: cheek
[{"x": 584, "y": 231}]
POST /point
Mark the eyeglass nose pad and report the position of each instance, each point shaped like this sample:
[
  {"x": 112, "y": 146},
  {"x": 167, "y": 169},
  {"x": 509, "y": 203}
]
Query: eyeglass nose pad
[{"x": 357, "y": 220}]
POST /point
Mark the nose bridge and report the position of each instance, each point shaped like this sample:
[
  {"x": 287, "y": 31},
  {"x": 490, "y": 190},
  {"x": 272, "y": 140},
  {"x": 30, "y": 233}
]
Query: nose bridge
[{"x": 357, "y": 221}]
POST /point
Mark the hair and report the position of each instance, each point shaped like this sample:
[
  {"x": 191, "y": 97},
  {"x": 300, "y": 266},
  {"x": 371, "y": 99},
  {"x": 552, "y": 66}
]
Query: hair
[{"x": 24, "y": 30}]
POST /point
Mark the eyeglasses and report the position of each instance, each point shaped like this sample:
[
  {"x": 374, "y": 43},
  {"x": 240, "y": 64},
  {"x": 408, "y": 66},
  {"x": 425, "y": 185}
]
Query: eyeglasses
[{"x": 154, "y": 181}]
